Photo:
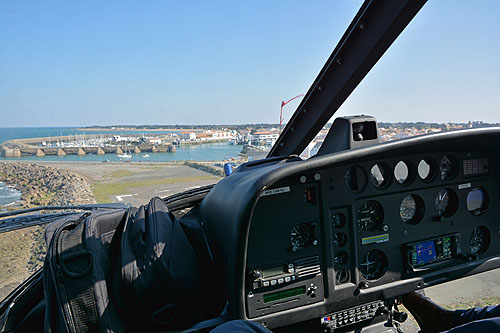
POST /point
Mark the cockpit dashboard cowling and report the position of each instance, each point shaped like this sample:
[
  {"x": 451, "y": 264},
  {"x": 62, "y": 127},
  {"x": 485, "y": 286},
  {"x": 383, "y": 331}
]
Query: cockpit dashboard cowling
[{"x": 296, "y": 239}]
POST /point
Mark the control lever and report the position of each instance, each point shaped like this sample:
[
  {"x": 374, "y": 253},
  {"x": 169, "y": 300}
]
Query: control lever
[{"x": 399, "y": 316}]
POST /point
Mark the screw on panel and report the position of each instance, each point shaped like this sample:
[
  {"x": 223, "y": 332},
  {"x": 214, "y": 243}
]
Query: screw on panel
[
  {"x": 315, "y": 242},
  {"x": 385, "y": 227},
  {"x": 361, "y": 26},
  {"x": 320, "y": 88},
  {"x": 304, "y": 110},
  {"x": 405, "y": 233},
  {"x": 303, "y": 179},
  {"x": 338, "y": 61},
  {"x": 317, "y": 176}
]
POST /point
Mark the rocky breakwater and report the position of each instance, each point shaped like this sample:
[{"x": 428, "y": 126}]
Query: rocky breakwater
[
  {"x": 23, "y": 251},
  {"x": 42, "y": 186}
]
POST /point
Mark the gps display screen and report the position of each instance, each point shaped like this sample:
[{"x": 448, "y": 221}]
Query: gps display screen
[{"x": 429, "y": 252}]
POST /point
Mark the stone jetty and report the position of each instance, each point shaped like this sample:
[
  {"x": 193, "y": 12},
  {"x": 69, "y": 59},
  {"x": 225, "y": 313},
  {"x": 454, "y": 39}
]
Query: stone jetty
[
  {"x": 31, "y": 147},
  {"x": 41, "y": 185}
]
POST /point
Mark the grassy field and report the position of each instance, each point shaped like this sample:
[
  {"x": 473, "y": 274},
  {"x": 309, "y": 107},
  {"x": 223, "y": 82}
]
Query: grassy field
[
  {"x": 103, "y": 190},
  {"x": 122, "y": 173}
]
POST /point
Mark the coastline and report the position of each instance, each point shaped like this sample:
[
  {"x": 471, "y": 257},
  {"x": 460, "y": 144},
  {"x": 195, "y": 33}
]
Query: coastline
[{"x": 22, "y": 251}]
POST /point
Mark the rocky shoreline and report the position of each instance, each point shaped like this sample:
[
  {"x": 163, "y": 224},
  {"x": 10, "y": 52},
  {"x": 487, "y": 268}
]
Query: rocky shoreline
[
  {"x": 42, "y": 185},
  {"x": 22, "y": 251}
]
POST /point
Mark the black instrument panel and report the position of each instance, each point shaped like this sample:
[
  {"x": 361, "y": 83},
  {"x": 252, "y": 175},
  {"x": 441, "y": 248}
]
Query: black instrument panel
[
  {"x": 360, "y": 226},
  {"x": 374, "y": 223}
]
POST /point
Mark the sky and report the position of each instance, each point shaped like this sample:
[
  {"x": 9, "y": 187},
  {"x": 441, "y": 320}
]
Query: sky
[{"x": 83, "y": 63}]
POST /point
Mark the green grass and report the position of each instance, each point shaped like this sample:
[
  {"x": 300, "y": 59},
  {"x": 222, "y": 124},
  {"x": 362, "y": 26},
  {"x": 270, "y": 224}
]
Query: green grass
[
  {"x": 122, "y": 173},
  {"x": 103, "y": 191},
  {"x": 486, "y": 301}
]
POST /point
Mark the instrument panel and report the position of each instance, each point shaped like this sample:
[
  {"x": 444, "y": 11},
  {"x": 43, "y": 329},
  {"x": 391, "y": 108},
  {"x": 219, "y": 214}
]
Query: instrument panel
[
  {"x": 372, "y": 224},
  {"x": 304, "y": 239}
]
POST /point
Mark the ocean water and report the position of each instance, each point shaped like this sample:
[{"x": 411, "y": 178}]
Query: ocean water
[
  {"x": 201, "y": 152},
  {"x": 8, "y": 195}
]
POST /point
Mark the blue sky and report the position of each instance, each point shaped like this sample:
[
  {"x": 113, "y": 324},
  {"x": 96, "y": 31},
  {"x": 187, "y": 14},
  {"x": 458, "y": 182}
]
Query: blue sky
[{"x": 68, "y": 63}]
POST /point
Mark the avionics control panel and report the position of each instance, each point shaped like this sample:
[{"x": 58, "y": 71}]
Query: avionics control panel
[{"x": 432, "y": 252}]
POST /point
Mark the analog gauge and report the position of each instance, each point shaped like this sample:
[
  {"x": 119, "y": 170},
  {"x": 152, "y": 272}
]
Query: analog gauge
[
  {"x": 446, "y": 202},
  {"x": 340, "y": 239},
  {"x": 378, "y": 175},
  {"x": 370, "y": 216},
  {"x": 476, "y": 201},
  {"x": 402, "y": 173},
  {"x": 411, "y": 209},
  {"x": 301, "y": 236},
  {"x": 425, "y": 169},
  {"x": 341, "y": 258},
  {"x": 338, "y": 220},
  {"x": 355, "y": 179},
  {"x": 373, "y": 265},
  {"x": 448, "y": 167},
  {"x": 342, "y": 276},
  {"x": 479, "y": 240}
]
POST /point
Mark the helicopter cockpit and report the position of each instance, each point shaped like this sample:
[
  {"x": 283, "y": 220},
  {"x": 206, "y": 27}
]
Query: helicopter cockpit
[{"x": 332, "y": 242}]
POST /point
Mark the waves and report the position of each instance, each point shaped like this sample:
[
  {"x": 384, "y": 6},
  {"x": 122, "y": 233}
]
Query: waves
[{"x": 9, "y": 195}]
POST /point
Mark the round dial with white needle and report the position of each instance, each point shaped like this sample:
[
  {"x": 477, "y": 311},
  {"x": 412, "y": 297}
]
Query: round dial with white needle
[
  {"x": 373, "y": 265},
  {"x": 479, "y": 240},
  {"x": 370, "y": 216}
]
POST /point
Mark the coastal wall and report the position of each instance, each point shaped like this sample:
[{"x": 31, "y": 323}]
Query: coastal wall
[{"x": 14, "y": 148}]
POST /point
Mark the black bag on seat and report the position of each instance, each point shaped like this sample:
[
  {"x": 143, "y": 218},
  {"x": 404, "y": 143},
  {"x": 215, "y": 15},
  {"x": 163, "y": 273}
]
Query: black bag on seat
[
  {"x": 82, "y": 253},
  {"x": 160, "y": 275},
  {"x": 128, "y": 270}
]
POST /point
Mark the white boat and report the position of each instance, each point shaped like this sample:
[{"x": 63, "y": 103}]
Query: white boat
[
  {"x": 124, "y": 155},
  {"x": 145, "y": 155}
]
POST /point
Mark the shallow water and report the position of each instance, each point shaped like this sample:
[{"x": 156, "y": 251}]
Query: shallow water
[{"x": 8, "y": 195}]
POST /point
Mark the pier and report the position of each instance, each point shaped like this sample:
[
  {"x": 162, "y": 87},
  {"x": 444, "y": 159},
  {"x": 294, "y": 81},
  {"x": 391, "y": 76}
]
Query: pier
[{"x": 35, "y": 147}]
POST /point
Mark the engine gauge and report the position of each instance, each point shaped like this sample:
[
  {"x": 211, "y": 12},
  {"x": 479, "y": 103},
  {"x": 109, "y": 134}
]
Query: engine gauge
[
  {"x": 402, "y": 172},
  {"x": 338, "y": 220},
  {"x": 355, "y": 179},
  {"x": 448, "y": 167},
  {"x": 340, "y": 239},
  {"x": 411, "y": 209},
  {"x": 479, "y": 240},
  {"x": 425, "y": 169},
  {"x": 446, "y": 202},
  {"x": 379, "y": 175},
  {"x": 476, "y": 201},
  {"x": 341, "y": 258},
  {"x": 373, "y": 265},
  {"x": 370, "y": 216}
]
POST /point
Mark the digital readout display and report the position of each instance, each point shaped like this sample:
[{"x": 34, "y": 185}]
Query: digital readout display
[
  {"x": 273, "y": 271},
  {"x": 276, "y": 296},
  {"x": 428, "y": 252},
  {"x": 476, "y": 166}
]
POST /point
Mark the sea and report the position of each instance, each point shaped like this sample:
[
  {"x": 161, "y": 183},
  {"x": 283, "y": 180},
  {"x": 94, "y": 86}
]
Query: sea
[
  {"x": 200, "y": 152},
  {"x": 8, "y": 195}
]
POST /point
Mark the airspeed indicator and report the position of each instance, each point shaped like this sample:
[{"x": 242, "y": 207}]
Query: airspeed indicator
[{"x": 370, "y": 216}]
